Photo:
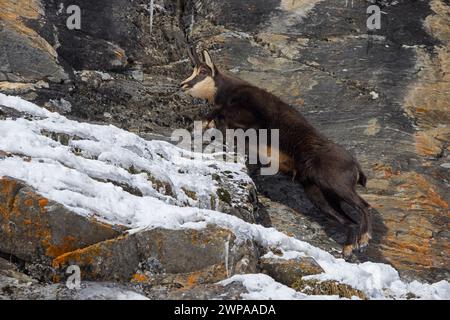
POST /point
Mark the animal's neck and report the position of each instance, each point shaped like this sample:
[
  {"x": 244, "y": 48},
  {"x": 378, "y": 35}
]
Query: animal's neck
[{"x": 224, "y": 84}]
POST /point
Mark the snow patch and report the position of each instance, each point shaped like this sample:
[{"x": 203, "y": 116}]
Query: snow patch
[{"x": 263, "y": 287}]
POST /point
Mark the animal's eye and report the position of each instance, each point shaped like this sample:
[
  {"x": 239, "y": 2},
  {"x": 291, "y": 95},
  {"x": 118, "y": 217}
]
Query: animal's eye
[{"x": 203, "y": 71}]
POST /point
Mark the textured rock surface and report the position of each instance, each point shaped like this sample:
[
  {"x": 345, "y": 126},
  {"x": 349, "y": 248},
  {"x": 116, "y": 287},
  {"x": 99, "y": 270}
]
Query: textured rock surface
[
  {"x": 200, "y": 292},
  {"x": 35, "y": 229},
  {"x": 327, "y": 288},
  {"x": 26, "y": 56},
  {"x": 15, "y": 285},
  {"x": 384, "y": 95},
  {"x": 144, "y": 254},
  {"x": 289, "y": 271}
]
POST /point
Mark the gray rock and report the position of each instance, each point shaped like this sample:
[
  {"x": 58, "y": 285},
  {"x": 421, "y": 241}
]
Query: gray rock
[{"x": 25, "y": 55}]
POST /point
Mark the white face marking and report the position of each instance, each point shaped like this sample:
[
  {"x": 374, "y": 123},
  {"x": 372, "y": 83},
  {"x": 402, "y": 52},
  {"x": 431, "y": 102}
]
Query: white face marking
[
  {"x": 205, "y": 89},
  {"x": 193, "y": 75}
]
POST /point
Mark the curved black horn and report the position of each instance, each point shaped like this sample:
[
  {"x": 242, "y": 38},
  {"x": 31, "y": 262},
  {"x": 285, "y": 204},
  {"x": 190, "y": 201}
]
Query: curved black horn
[{"x": 193, "y": 55}]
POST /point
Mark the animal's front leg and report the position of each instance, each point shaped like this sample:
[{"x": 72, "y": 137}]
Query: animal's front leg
[{"x": 209, "y": 122}]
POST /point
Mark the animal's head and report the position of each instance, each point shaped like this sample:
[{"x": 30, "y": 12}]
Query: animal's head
[{"x": 201, "y": 83}]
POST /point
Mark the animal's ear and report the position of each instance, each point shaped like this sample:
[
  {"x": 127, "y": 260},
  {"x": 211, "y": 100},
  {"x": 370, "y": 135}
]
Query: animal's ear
[{"x": 208, "y": 62}]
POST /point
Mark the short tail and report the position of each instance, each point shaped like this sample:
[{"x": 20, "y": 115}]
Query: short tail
[{"x": 362, "y": 179}]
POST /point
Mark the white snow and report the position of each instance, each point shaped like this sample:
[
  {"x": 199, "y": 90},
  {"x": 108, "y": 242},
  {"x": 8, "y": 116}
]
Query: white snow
[
  {"x": 79, "y": 181},
  {"x": 107, "y": 154},
  {"x": 263, "y": 287}
]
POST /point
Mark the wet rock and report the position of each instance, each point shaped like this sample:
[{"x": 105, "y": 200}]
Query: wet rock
[
  {"x": 35, "y": 229},
  {"x": 164, "y": 251},
  {"x": 289, "y": 271}
]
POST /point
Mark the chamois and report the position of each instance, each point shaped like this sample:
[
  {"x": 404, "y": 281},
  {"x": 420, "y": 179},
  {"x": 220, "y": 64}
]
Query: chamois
[{"x": 328, "y": 173}]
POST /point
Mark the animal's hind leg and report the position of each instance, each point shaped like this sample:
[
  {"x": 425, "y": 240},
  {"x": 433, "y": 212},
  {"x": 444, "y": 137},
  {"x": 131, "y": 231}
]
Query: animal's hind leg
[
  {"x": 365, "y": 226},
  {"x": 318, "y": 199},
  {"x": 365, "y": 232},
  {"x": 353, "y": 240},
  {"x": 335, "y": 203}
]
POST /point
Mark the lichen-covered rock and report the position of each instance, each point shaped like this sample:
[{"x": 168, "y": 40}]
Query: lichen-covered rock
[
  {"x": 140, "y": 256},
  {"x": 314, "y": 287},
  {"x": 36, "y": 229},
  {"x": 289, "y": 271}
]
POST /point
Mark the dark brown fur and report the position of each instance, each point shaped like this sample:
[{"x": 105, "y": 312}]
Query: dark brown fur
[{"x": 327, "y": 171}]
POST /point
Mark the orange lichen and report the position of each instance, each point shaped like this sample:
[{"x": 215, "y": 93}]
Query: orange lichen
[
  {"x": 86, "y": 256},
  {"x": 43, "y": 203},
  {"x": 409, "y": 209},
  {"x": 68, "y": 244},
  {"x": 194, "y": 237},
  {"x": 81, "y": 257},
  {"x": 422, "y": 192},
  {"x": 56, "y": 278},
  {"x": 192, "y": 279},
  {"x": 384, "y": 170},
  {"x": 139, "y": 278},
  {"x": 427, "y": 145}
]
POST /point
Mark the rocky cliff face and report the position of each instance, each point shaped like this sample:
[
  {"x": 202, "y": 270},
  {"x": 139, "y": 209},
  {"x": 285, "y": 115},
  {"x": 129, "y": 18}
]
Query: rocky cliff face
[{"x": 383, "y": 94}]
